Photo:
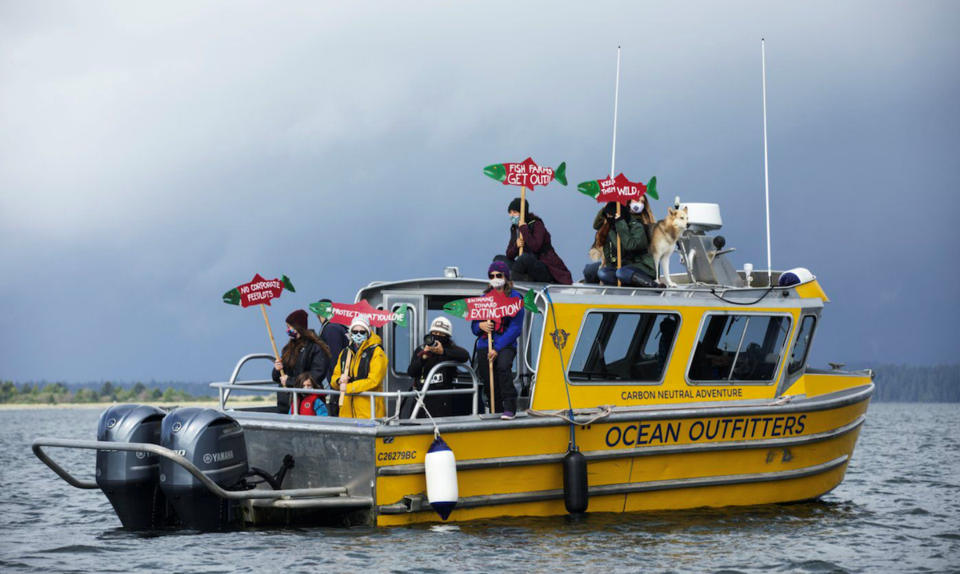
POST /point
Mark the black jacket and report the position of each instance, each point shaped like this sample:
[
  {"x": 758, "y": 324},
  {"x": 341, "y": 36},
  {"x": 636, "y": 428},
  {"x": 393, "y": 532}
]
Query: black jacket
[
  {"x": 444, "y": 378},
  {"x": 335, "y": 336},
  {"x": 312, "y": 359}
]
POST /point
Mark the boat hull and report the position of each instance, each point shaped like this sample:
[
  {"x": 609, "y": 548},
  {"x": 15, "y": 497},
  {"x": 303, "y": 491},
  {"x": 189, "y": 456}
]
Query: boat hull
[{"x": 638, "y": 460}]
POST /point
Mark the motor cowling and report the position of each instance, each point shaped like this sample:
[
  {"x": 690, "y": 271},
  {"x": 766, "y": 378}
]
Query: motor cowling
[
  {"x": 214, "y": 443},
  {"x": 131, "y": 480}
]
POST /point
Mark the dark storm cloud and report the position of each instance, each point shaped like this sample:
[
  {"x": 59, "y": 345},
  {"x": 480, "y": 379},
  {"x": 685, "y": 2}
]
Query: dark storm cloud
[{"x": 152, "y": 158}]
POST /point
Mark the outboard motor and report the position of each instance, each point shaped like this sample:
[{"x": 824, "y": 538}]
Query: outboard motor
[
  {"x": 131, "y": 480},
  {"x": 214, "y": 443}
]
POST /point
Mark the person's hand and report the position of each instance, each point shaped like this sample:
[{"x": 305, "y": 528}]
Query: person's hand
[
  {"x": 437, "y": 348},
  {"x": 486, "y": 326},
  {"x": 492, "y": 355},
  {"x": 278, "y": 365},
  {"x": 519, "y": 241},
  {"x": 283, "y": 380},
  {"x": 343, "y": 380}
]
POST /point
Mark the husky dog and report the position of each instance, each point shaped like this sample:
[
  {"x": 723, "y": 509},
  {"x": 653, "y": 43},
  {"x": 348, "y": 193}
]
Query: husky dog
[{"x": 666, "y": 233}]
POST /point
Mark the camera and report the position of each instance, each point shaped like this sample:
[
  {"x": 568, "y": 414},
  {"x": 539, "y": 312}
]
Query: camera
[{"x": 429, "y": 339}]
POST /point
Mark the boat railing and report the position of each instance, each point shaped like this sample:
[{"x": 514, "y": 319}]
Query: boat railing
[{"x": 225, "y": 388}]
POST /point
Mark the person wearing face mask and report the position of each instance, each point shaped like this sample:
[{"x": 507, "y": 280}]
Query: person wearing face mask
[
  {"x": 304, "y": 353},
  {"x": 636, "y": 269},
  {"x": 361, "y": 367},
  {"x": 504, "y": 349},
  {"x": 428, "y": 356},
  {"x": 602, "y": 223},
  {"x": 539, "y": 262}
]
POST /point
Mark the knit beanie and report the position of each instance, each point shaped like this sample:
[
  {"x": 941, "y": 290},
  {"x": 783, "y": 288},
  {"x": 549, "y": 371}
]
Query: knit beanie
[
  {"x": 360, "y": 321},
  {"x": 515, "y": 205},
  {"x": 500, "y": 267},
  {"x": 298, "y": 319}
]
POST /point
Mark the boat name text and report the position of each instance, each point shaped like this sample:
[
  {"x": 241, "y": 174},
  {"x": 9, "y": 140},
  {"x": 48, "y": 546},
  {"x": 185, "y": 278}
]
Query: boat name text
[{"x": 732, "y": 428}]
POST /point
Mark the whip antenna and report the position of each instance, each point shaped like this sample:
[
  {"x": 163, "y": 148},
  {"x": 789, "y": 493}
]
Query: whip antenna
[{"x": 766, "y": 165}]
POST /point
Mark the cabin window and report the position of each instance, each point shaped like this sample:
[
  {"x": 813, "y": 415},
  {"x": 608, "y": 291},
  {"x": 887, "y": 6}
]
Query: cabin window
[
  {"x": 623, "y": 346},
  {"x": 800, "y": 349},
  {"x": 739, "y": 348},
  {"x": 400, "y": 342}
]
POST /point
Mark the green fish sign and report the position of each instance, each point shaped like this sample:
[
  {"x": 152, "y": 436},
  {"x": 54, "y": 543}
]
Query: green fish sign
[
  {"x": 526, "y": 173},
  {"x": 493, "y": 306},
  {"x": 258, "y": 292},
  {"x": 618, "y": 189}
]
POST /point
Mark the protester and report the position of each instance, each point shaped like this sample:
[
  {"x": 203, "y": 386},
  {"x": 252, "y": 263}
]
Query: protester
[
  {"x": 428, "y": 356},
  {"x": 336, "y": 337},
  {"x": 637, "y": 265},
  {"x": 504, "y": 351},
  {"x": 601, "y": 223},
  {"x": 304, "y": 353},
  {"x": 361, "y": 367},
  {"x": 539, "y": 262},
  {"x": 310, "y": 405}
]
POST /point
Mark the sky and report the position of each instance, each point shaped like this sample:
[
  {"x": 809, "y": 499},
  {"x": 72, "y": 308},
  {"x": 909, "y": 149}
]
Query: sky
[{"x": 153, "y": 156}]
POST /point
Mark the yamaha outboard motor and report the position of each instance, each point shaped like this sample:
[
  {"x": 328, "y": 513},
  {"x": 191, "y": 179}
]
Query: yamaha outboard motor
[
  {"x": 214, "y": 443},
  {"x": 131, "y": 480}
]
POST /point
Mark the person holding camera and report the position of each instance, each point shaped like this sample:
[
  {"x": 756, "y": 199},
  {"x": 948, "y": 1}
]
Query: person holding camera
[{"x": 438, "y": 347}]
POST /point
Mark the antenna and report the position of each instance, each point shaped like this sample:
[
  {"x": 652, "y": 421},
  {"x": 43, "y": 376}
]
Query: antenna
[
  {"x": 766, "y": 165},
  {"x": 616, "y": 98}
]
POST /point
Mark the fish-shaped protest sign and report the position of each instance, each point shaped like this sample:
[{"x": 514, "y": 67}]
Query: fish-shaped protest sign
[
  {"x": 618, "y": 189},
  {"x": 526, "y": 173},
  {"x": 343, "y": 314},
  {"x": 260, "y": 291},
  {"x": 493, "y": 306}
]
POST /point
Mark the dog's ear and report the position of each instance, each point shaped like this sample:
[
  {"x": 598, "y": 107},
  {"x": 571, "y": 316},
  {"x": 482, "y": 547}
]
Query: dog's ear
[
  {"x": 685, "y": 210},
  {"x": 671, "y": 211}
]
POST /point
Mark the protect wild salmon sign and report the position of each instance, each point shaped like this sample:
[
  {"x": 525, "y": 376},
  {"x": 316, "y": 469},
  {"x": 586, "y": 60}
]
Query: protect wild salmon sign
[
  {"x": 343, "y": 314},
  {"x": 260, "y": 291}
]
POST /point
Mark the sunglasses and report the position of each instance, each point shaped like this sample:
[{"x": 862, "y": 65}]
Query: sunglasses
[
  {"x": 359, "y": 332},
  {"x": 495, "y": 275}
]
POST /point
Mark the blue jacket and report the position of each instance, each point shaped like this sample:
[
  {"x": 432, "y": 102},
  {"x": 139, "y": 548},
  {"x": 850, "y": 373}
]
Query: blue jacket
[{"x": 507, "y": 335}]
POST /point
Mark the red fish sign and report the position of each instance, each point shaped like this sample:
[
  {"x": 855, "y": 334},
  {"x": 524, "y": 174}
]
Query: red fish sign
[
  {"x": 526, "y": 173},
  {"x": 618, "y": 189},
  {"x": 343, "y": 314},
  {"x": 260, "y": 291},
  {"x": 494, "y": 306}
]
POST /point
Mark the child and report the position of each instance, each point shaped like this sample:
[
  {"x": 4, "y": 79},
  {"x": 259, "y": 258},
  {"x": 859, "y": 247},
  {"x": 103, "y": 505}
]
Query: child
[{"x": 310, "y": 405}]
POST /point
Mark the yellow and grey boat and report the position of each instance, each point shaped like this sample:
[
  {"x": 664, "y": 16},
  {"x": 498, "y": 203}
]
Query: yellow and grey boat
[{"x": 693, "y": 396}]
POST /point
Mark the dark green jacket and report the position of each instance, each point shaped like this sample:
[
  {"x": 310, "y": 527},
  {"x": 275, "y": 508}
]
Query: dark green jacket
[{"x": 633, "y": 245}]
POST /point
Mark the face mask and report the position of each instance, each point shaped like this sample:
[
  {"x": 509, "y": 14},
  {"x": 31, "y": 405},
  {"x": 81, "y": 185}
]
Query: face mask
[
  {"x": 636, "y": 207},
  {"x": 291, "y": 333},
  {"x": 515, "y": 219},
  {"x": 498, "y": 282},
  {"x": 358, "y": 338}
]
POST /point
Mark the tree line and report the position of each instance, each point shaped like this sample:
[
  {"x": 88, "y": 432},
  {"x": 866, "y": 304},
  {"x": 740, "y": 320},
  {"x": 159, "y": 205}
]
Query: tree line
[
  {"x": 917, "y": 384},
  {"x": 59, "y": 393}
]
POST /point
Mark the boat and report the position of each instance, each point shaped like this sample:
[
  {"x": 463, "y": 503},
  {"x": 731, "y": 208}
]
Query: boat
[{"x": 671, "y": 398}]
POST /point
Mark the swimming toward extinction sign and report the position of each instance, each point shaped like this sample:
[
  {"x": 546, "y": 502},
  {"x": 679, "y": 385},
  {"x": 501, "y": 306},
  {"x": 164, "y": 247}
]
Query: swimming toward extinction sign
[
  {"x": 526, "y": 173},
  {"x": 260, "y": 291},
  {"x": 618, "y": 189},
  {"x": 493, "y": 306},
  {"x": 343, "y": 314}
]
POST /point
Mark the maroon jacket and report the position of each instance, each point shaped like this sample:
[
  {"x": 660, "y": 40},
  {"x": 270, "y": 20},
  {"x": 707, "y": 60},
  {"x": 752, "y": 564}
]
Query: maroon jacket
[{"x": 536, "y": 240}]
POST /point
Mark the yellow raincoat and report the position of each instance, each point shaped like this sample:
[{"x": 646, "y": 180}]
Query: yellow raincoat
[{"x": 359, "y": 407}]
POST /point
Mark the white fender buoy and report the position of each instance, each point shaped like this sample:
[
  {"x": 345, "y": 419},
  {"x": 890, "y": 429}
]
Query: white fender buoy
[
  {"x": 795, "y": 277},
  {"x": 441, "y": 470}
]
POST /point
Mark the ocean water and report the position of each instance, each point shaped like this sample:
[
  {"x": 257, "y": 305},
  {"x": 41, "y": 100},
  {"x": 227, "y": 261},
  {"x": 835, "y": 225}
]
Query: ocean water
[{"x": 898, "y": 510}]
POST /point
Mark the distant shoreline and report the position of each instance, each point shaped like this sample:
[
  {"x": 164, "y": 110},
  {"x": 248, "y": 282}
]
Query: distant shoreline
[{"x": 104, "y": 406}]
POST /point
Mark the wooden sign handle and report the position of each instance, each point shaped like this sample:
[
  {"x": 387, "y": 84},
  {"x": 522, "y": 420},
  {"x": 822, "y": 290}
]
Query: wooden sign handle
[
  {"x": 493, "y": 384},
  {"x": 273, "y": 344},
  {"x": 523, "y": 211}
]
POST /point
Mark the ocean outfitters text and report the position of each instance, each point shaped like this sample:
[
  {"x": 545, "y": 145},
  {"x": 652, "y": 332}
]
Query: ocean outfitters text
[{"x": 643, "y": 433}]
